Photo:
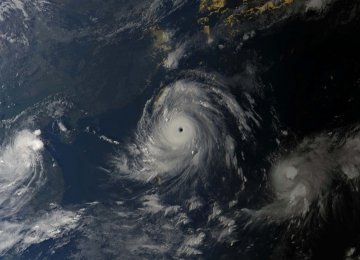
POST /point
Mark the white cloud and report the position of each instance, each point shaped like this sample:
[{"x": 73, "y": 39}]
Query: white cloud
[
  {"x": 19, "y": 235},
  {"x": 174, "y": 57}
]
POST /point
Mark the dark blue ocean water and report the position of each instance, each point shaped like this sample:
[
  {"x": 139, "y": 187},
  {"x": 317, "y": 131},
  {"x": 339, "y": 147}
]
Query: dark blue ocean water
[{"x": 303, "y": 75}]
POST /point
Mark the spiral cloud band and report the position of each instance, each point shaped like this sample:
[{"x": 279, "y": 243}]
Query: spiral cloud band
[
  {"x": 183, "y": 133},
  {"x": 301, "y": 182},
  {"x": 21, "y": 171}
]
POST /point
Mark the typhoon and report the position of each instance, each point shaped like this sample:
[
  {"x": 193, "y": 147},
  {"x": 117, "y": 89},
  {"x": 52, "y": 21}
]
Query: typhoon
[
  {"x": 184, "y": 134},
  {"x": 304, "y": 182},
  {"x": 30, "y": 187},
  {"x": 21, "y": 169}
]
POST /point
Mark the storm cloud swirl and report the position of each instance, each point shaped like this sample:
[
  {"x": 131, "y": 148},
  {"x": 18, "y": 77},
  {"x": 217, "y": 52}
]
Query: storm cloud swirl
[
  {"x": 22, "y": 173},
  {"x": 183, "y": 134}
]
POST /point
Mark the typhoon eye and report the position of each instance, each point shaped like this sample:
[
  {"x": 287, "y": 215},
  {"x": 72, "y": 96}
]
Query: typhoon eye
[{"x": 180, "y": 138}]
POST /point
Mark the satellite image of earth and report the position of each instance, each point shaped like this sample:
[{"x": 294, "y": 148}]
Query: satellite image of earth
[{"x": 180, "y": 129}]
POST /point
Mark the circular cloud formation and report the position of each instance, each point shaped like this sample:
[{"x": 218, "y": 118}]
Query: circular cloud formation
[
  {"x": 183, "y": 133},
  {"x": 298, "y": 181},
  {"x": 21, "y": 171},
  {"x": 304, "y": 177}
]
